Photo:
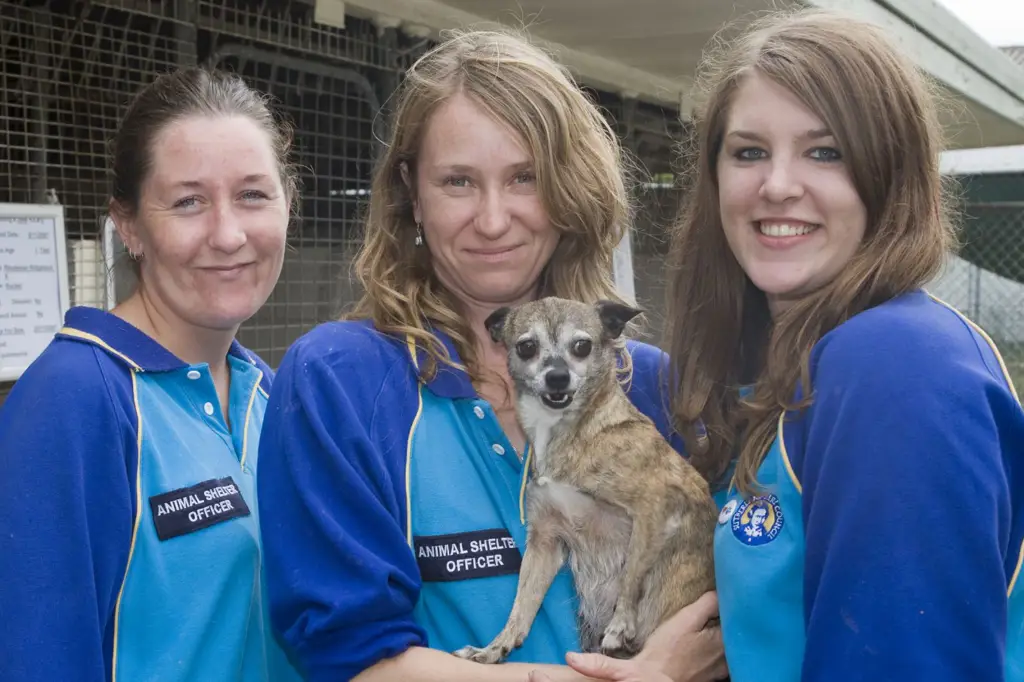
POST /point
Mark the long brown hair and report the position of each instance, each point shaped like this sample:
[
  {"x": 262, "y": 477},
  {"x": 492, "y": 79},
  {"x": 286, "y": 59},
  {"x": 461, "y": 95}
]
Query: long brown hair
[
  {"x": 580, "y": 169},
  {"x": 883, "y": 116}
]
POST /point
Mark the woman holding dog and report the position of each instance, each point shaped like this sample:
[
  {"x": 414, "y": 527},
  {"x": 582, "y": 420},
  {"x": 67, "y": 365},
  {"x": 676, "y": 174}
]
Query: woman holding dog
[
  {"x": 872, "y": 524},
  {"x": 395, "y": 466}
]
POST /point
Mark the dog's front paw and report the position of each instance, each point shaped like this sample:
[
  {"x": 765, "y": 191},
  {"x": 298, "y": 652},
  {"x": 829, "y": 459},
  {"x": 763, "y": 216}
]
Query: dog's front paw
[
  {"x": 620, "y": 639},
  {"x": 489, "y": 654}
]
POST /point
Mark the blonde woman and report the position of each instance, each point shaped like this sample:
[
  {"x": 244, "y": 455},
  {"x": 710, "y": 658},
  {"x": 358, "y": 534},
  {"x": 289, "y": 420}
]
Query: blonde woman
[
  {"x": 394, "y": 466},
  {"x": 872, "y": 525}
]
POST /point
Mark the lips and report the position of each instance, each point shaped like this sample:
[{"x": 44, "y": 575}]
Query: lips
[
  {"x": 226, "y": 268},
  {"x": 492, "y": 254},
  {"x": 556, "y": 401}
]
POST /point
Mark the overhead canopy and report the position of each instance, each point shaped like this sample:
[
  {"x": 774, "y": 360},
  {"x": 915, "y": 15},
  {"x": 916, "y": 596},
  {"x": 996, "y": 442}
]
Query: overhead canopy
[{"x": 651, "y": 48}]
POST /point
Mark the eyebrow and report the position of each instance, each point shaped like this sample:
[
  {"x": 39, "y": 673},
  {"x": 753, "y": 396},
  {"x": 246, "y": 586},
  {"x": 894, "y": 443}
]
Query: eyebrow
[
  {"x": 815, "y": 134},
  {"x": 465, "y": 168},
  {"x": 248, "y": 179}
]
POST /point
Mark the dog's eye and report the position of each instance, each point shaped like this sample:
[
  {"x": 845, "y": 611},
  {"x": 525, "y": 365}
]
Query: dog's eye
[
  {"x": 581, "y": 347},
  {"x": 526, "y": 349}
]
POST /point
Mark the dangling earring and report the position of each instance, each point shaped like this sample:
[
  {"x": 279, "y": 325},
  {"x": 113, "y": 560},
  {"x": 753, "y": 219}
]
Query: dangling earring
[
  {"x": 134, "y": 256},
  {"x": 419, "y": 234}
]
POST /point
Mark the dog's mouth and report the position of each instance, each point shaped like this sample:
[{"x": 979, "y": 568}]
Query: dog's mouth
[{"x": 556, "y": 401}]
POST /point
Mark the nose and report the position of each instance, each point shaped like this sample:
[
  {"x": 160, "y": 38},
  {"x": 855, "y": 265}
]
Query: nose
[
  {"x": 227, "y": 233},
  {"x": 782, "y": 182},
  {"x": 557, "y": 379},
  {"x": 494, "y": 218}
]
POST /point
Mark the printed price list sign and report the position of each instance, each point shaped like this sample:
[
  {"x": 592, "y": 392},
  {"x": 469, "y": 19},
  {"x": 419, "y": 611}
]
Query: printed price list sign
[{"x": 33, "y": 283}]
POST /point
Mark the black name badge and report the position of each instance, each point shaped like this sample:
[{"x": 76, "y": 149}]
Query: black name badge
[
  {"x": 463, "y": 556},
  {"x": 205, "y": 504}
]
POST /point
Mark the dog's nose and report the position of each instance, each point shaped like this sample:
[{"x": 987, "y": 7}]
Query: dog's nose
[{"x": 557, "y": 379}]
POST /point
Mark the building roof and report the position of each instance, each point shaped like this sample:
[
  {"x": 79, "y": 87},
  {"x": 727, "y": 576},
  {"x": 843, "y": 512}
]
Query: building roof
[
  {"x": 987, "y": 160},
  {"x": 1015, "y": 52}
]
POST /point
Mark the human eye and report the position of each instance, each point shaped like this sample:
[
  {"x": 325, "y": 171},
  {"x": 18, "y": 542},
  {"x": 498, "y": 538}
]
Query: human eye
[
  {"x": 186, "y": 203},
  {"x": 825, "y": 154},
  {"x": 525, "y": 177},
  {"x": 750, "y": 154},
  {"x": 254, "y": 195},
  {"x": 458, "y": 181}
]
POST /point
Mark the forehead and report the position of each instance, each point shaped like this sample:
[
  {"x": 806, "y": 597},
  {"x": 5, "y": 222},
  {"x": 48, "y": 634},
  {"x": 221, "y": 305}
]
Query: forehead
[
  {"x": 204, "y": 148},
  {"x": 763, "y": 106},
  {"x": 558, "y": 322},
  {"x": 460, "y": 132}
]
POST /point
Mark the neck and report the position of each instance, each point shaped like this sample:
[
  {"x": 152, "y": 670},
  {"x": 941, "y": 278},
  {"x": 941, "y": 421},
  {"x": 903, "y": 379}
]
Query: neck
[{"x": 192, "y": 344}]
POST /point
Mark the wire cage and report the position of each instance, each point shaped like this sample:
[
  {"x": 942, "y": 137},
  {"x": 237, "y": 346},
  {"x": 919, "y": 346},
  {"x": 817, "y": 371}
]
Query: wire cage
[{"x": 69, "y": 68}]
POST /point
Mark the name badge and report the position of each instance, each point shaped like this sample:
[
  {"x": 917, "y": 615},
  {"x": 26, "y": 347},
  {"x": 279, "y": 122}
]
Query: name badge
[
  {"x": 205, "y": 504},
  {"x": 464, "y": 556}
]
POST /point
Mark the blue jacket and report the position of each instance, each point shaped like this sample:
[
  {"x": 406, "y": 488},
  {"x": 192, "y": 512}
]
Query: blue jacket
[
  {"x": 393, "y": 511},
  {"x": 129, "y": 543},
  {"x": 886, "y": 541}
]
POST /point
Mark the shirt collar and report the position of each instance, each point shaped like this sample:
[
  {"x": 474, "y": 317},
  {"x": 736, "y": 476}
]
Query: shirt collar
[
  {"x": 126, "y": 342},
  {"x": 448, "y": 381}
]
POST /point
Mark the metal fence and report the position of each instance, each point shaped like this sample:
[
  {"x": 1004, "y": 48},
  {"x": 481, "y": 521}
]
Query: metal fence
[
  {"x": 69, "y": 68},
  {"x": 986, "y": 281}
]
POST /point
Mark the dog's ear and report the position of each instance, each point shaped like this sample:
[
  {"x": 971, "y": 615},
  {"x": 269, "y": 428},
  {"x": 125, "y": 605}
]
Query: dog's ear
[
  {"x": 495, "y": 322},
  {"x": 615, "y": 316}
]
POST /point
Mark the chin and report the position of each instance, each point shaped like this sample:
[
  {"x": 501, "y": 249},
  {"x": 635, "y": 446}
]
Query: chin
[
  {"x": 500, "y": 292},
  {"x": 777, "y": 285},
  {"x": 222, "y": 317}
]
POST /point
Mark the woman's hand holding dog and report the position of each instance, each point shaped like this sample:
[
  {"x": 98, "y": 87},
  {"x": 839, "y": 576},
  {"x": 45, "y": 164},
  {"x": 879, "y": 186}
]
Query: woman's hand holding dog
[{"x": 682, "y": 649}]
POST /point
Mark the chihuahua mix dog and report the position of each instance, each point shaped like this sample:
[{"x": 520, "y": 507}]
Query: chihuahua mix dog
[{"x": 634, "y": 519}]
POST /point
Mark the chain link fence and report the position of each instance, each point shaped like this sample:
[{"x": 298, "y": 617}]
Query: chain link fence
[
  {"x": 69, "y": 68},
  {"x": 986, "y": 281}
]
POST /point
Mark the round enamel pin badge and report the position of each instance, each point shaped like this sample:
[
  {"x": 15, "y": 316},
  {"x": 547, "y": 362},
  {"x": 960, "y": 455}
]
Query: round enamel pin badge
[{"x": 758, "y": 520}]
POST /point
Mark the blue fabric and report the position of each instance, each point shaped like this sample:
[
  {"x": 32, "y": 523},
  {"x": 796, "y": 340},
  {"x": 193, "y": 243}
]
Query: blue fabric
[
  {"x": 900, "y": 514},
  {"x": 345, "y": 587},
  {"x": 104, "y": 420}
]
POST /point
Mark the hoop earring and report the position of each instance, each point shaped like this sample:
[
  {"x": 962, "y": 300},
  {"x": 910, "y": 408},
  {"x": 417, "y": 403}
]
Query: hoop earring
[
  {"x": 134, "y": 256},
  {"x": 419, "y": 234}
]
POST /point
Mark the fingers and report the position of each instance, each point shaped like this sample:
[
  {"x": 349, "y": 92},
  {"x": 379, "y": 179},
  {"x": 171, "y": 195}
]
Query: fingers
[
  {"x": 599, "y": 666},
  {"x": 701, "y": 611}
]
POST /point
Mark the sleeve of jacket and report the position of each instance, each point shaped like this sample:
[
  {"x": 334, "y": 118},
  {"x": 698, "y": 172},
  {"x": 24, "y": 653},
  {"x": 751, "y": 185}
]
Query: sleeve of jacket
[
  {"x": 341, "y": 578},
  {"x": 906, "y": 509},
  {"x": 66, "y": 512},
  {"x": 649, "y": 390}
]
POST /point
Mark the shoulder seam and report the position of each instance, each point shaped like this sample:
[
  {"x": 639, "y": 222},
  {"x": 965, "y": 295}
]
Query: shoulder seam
[
  {"x": 109, "y": 390},
  {"x": 971, "y": 326},
  {"x": 396, "y": 364}
]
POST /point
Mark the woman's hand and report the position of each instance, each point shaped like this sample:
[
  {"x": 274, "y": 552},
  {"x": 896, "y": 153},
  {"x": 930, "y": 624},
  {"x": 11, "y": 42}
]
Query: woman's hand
[{"x": 682, "y": 649}]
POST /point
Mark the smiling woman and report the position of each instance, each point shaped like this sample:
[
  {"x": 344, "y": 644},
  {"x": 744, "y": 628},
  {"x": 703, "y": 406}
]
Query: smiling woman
[
  {"x": 392, "y": 435},
  {"x": 143, "y": 560},
  {"x": 865, "y": 438}
]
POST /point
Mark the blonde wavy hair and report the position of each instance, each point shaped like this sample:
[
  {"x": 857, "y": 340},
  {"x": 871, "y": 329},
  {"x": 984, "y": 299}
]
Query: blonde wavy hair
[
  {"x": 581, "y": 177},
  {"x": 883, "y": 114}
]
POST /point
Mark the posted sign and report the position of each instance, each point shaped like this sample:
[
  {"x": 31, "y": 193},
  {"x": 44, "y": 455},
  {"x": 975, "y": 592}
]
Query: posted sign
[{"x": 34, "y": 292}]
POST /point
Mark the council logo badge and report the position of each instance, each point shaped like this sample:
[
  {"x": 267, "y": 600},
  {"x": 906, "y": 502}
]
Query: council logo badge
[{"x": 758, "y": 520}]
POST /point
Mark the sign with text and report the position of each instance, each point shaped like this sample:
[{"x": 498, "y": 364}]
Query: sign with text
[{"x": 33, "y": 283}]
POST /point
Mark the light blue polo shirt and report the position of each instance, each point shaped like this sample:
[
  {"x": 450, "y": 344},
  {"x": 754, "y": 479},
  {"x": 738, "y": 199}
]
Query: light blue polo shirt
[
  {"x": 393, "y": 509},
  {"x": 129, "y": 535}
]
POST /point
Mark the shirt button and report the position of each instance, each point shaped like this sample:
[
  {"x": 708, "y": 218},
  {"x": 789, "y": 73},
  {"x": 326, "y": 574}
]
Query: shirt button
[
  {"x": 208, "y": 408},
  {"x": 498, "y": 450},
  {"x": 194, "y": 374},
  {"x": 479, "y": 412}
]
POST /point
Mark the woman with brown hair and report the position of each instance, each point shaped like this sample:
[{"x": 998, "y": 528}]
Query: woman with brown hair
[
  {"x": 394, "y": 467},
  {"x": 866, "y": 438}
]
